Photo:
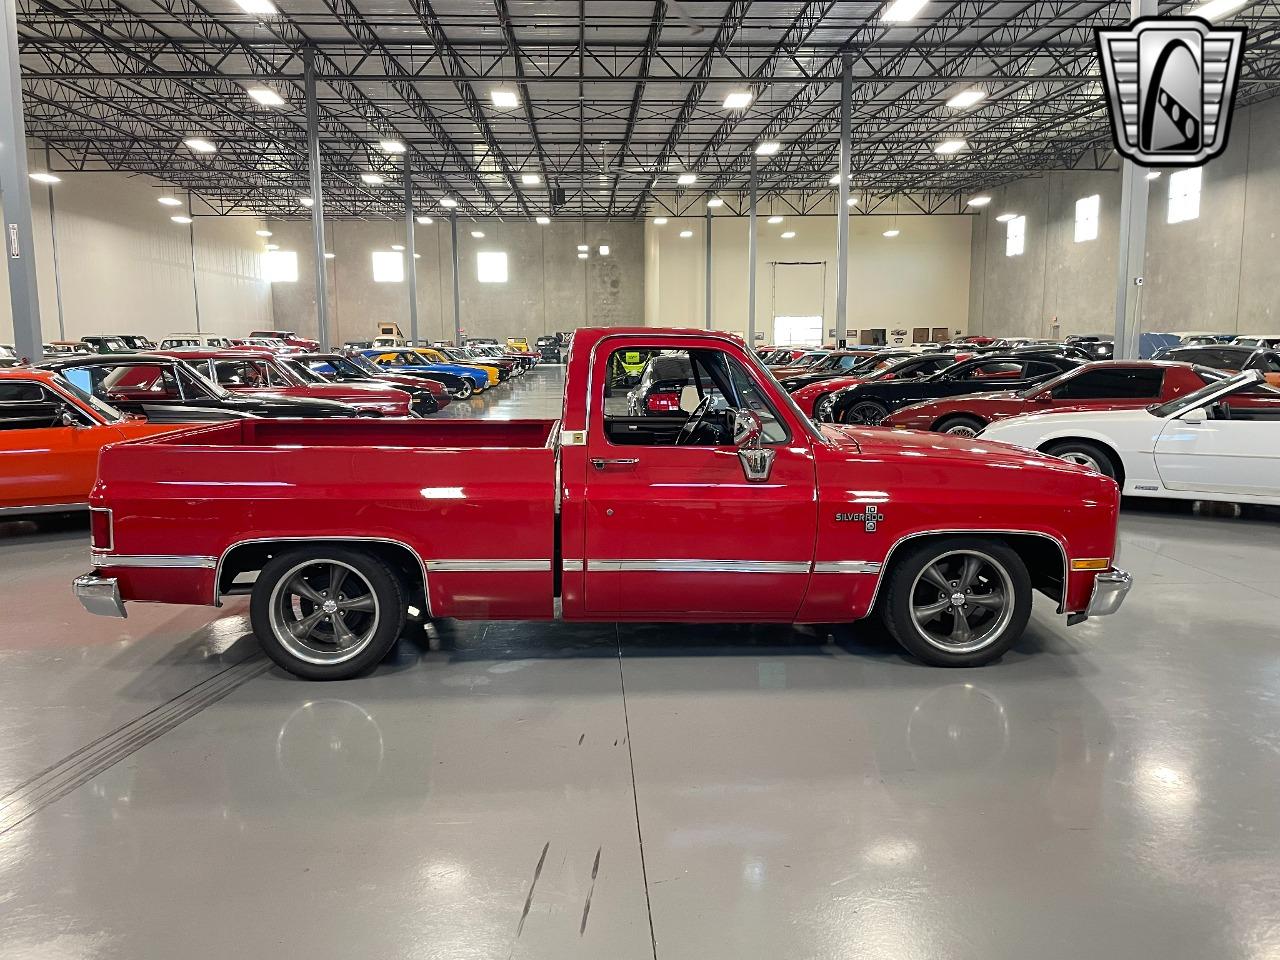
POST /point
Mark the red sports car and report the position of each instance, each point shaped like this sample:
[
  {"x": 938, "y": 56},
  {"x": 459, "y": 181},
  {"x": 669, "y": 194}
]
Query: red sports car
[
  {"x": 894, "y": 367},
  {"x": 1103, "y": 385}
]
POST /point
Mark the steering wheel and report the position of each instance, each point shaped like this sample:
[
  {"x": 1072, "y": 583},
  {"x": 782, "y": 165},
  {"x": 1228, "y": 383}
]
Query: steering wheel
[{"x": 690, "y": 428}]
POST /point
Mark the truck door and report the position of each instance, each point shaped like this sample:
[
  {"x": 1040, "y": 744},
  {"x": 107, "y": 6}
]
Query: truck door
[{"x": 673, "y": 526}]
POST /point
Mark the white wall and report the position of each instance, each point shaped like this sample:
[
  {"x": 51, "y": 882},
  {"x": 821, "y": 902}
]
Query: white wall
[
  {"x": 917, "y": 279},
  {"x": 124, "y": 267}
]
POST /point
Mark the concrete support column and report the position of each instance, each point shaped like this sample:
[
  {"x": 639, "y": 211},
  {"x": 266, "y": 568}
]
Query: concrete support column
[
  {"x": 15, "y": 195},
  {"x": 317, "y": 202},
  {"x": 1133, "y": 237}
]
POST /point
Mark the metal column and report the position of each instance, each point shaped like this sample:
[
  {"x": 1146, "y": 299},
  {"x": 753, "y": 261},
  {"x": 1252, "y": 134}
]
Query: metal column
[
  {"x": 57, "y": 266},
  {"x": 1133, "y": 237},
  {"x": 411, "y": 263},
  {"x": 708, "y": 279},
  {"x": 19, "y": 238},
  {"x": 317, "y": 201},
  {"x": 457, "y": 282},
  {"x": 751, "y": 262},
  {"x": 842, "y": 205},
  {"x": 191, "y": 242}
]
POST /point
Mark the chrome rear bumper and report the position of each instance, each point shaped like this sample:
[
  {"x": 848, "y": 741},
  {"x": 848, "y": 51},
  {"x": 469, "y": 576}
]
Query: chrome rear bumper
[
  {"x": 99, "y": 595},
  {"x": 1109, "y": 590}
]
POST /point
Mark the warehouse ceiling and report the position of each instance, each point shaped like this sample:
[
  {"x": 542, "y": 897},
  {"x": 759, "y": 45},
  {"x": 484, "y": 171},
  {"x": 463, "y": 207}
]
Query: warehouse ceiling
[{"x": 502, "y": 104}]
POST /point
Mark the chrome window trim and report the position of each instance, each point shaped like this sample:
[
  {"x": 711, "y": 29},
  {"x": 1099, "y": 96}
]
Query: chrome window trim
[
  {"x": 217, "y": 571},
  {"x": 489, "y": 566},
  {"x": 102, "y": 558}
]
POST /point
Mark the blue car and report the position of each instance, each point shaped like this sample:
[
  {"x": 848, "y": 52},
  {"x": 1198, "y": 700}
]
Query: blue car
[{"x": 469, "y": 379}]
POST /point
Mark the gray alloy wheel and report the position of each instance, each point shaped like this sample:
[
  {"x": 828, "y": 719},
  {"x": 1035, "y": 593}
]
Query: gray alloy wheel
[
  {"x": 324, "y": 611},
  {"x": 961, "y": 426},
  {"x": 962, "y": 601},
  {"x": 822, "y": 407},
  {"x": 1085, "y": 454},
  {"x": 464, "y": 391},
  {"x": 865, "y": 413}
]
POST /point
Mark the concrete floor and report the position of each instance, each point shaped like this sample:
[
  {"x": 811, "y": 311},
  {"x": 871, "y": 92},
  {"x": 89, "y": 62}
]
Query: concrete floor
[{"x": 548, "y": 791}]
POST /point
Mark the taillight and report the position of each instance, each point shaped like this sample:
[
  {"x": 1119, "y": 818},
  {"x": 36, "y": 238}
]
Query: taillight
[
  {"x": 100, "y": 534},
  {"x": 663, "y": 402}
]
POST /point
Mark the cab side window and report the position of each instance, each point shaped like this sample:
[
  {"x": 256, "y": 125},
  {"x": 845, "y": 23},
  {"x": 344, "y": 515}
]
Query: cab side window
[
  {"x": 681, "y": 398},
  {"x": 26, "y": 405}
]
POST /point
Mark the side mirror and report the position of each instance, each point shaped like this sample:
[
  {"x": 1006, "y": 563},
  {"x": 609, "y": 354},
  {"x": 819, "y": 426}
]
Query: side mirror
[
  {"x": 69, "y": 418},
  {"x": 748, "y": 434},
  {"x": 1195, "y": 415}
]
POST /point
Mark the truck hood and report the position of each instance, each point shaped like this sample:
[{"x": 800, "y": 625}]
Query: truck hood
[{"x": 919, "y": 447}]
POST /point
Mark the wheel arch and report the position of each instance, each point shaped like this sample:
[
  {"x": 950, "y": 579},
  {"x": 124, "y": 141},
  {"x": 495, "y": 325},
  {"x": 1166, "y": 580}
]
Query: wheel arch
[
  {"x": 1044, "y": 554},
  {"x": 247, "y": 556},
  {"x": 957, "y": 414},
  {"x": 1106, "y": 446}
]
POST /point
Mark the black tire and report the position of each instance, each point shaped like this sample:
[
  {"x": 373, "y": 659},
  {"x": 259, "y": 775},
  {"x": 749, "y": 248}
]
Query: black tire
[
  {"x": 960, "y": 425},
  {"x": 374, "y": 621},
  {"x": 464, "y": 390},
  {"x": 864, "y": 413},
  {"x": 1086, "y": 454},
  {"x": 934, "y": 637}
]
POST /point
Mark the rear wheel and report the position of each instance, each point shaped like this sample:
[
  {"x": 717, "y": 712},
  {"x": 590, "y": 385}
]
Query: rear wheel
[
  {"x": 865, "y": 413},
  {"x": 961, "y": 425},
  {"x": 327, "y": 613},
  {"x": 1085, "y": 454},
  {"x": 958, "y": 601}
]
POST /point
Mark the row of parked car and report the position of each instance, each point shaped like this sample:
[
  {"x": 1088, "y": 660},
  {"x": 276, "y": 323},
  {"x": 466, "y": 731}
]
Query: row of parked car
[{"x": 57, "y": 414}]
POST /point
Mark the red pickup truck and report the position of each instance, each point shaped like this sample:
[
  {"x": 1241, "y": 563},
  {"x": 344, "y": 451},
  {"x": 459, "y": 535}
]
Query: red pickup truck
[{"x": 734, "y": 508}]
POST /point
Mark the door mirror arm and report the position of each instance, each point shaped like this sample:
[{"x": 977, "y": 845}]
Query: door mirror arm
[
  {"x": 748, "y": 436},
  {"x": 68, "y": 418}
]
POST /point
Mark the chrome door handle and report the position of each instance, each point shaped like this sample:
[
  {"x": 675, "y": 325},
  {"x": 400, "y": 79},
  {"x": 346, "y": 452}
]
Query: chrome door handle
[{"x": 601, "y": 464}]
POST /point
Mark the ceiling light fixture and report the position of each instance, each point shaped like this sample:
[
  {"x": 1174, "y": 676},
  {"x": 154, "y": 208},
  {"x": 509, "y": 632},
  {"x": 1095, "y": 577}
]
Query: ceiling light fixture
[
  {"x": 738, "y": 99},
  {"x": 503, "y": 98},
  {"x": 851, "y": 202},
  {"x": 448, "y": 202},
  {"x": 478, "y": 234},
  {"x": 789, "y": 234},
  {"x": 44, "y": 178},
  {"x": 398, "y": 247},
  {"x": 659, "y": 221},
  {"x": 1153, "y": 175},
  {"x": 715, "y": 202},
  {"x": 200, "y": 145},
  {"x": 604, "y": 249},
  {"x": 372, "y": 179},
  {"x": 169, "y": 201},
  {"x": 424, "y": 221},
  {"x": 180, "y": 219},
  {"x": 774, "y": 219},
  {"x": 263, "y": 233},
  {"x": 530, "y": 179},
  {"x": 979, "y": 201},
  {"x": 329, "y": 256},
  {"x": 583, "y": 248},
  {"x": 543, "y": 221},
  {"x": 1005, "y": 217},
  {"x": 265, "y": 96},
  {"x": 835, "y": 180},
  {"x": 901, "y": 11},
  {"x": 686, "y": 234},
  {"x": 687, "y": 179},
  {"x": 949, "y": 148},
  {"x": 306, "y": 201},
  {"x": 391, "y": 146},
  {"x": 582, "y": 256},
  {"x": 967, "y": 98},
  {"x": 1217, "y": 9},
  {"x": 271, "y": 246},
  {"x": 263, "y": 7},
  {"x": 892, "y": 232},
  {"x": 768, "y": 148}
]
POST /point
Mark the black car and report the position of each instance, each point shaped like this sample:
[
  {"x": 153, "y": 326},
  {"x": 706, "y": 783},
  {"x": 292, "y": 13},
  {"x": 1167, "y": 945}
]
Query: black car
[
  {"x": 869, "y": 403},
  {"x": 840, "y": 365},
  {"x": 1220, "y": 356},
  {"x": 152, "y": 385},
  {"x": 335, "y": 368},
  {"x": 548, "y": 346}
]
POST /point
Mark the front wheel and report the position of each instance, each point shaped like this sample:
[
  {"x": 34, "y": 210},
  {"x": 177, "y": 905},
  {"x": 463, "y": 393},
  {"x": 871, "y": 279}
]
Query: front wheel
[
  {"x": 958, "y": 601},
  {"x": 464, "y": 391},
  {"x": 327, "y": 613},
  {"x": 961, "y": 426},
  {"x": 1085, "y": 454}
]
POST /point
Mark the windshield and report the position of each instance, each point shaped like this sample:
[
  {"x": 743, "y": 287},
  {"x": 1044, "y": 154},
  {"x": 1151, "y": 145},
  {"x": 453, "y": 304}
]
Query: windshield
[
  {"x": 304, "y": 372},
  {"x": 66, "y": 379},
  {"x": 1199, "y": 397},
  {"x": 361, "y": 362}
]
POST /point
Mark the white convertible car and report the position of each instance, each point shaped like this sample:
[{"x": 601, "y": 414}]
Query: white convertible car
[{"x": 1221, "y": 442}]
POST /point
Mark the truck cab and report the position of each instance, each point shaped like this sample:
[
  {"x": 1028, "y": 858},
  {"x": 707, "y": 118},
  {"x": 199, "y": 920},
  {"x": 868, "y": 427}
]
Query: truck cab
[{"x": 732, "y": 507}]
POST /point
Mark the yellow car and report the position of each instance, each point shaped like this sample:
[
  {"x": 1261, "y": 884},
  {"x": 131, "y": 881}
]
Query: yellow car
[
  {"x": 518, "y": 343},
  {"x": 435, "y": 356}
]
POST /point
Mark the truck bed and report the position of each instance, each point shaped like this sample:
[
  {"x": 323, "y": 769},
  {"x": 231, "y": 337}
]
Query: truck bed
[
  {"x": 369, "y": 433},
  {"x": 471, "y": 502}
]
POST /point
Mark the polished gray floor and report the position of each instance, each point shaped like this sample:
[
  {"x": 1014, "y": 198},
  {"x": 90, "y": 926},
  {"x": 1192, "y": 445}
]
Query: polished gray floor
[{"x": 503, "y": 790}]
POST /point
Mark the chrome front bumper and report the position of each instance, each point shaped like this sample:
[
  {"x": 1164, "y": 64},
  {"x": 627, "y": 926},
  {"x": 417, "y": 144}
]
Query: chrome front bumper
[
  {"x": 1109, "y": 590},
  {"x": 99, "y": 595}
]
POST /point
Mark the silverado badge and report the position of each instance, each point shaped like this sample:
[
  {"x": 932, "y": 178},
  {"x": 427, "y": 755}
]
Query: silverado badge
[{"x": 869, "y": 518}]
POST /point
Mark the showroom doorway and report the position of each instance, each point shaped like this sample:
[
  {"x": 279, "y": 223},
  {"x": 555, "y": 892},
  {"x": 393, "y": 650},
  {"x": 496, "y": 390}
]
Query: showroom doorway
[{"x": 799, "y": 300}]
